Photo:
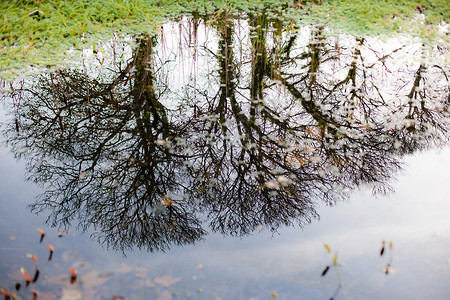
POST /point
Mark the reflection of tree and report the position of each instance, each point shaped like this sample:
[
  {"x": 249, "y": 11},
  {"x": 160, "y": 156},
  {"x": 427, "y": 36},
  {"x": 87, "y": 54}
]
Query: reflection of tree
[
  {"x": 113, "y": 154},
  {"x": 101, "y": 150},
  {"x": 330, "y": 136}
]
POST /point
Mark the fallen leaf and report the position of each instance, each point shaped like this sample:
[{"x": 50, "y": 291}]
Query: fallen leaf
[
  {"x": 73, "y": 275},
  {"x": 25, "y": 275},
  {"x": 33, "y": 257},
  {"x": 36, "y": 276},
  {"x": 199, "y": 267},
  {"x": 167, "y": 201},
  {"x": 325, "y": 271},
  {"x": 4, "y": 292},
  {"x": 167, "y": 280},
  {"x": 328, "y": 248},
  {"x": 51, "y": 248},
  {"x": 161, "y": 142},
  {"x": 388, "y": 269},
  {"x": 12, "y": 238},
  {"x": 42, "y": 234}
]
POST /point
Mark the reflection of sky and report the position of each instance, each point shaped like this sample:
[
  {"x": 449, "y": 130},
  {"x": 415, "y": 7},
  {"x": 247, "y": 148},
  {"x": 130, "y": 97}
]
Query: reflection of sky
[{"x": 415, "y": 218}]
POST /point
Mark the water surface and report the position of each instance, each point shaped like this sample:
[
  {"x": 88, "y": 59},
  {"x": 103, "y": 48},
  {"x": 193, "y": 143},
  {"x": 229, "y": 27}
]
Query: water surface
[{"x": 216, "y": 159}]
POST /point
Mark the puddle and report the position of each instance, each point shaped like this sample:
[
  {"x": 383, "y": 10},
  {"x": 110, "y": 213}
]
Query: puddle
[{"x": 207, "y": 141}]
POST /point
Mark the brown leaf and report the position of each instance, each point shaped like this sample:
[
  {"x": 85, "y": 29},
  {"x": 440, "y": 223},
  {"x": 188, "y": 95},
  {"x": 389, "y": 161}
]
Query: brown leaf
[
  {"x": 25, "y": 275},
  {"x": 42, "y": 234},
  {"x": 325, "y": 270},
  {"x": 50, "y": 247}
]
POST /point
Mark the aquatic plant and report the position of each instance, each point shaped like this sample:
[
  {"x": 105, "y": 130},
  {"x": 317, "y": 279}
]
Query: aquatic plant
[{"x": 43, "y": 33}]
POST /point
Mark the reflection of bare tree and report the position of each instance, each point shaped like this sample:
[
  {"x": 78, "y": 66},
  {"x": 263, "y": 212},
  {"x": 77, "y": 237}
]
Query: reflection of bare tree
[
  {"x": 113, "y": 155},
  {"x": 101, "y": 150},
  {"x": 331, "y": 135}
]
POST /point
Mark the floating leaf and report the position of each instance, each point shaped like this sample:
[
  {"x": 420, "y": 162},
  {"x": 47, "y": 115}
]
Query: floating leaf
[
  {"x": 36, "y": 276},
  {"x": 33, "y": 257},
  {"x": 50, "y": 247},
  {"x": 167, "y": 201},
  {"x": 382, "y": 248},
  {"x": 274, "y": 295},
  {"x": 25, "y": 275},
  {"x": 328, "y": 248},
  {"x": 325, "y": 270},
  {"x": 61, "y": 234},
  {"x": 391, "y": 246},
  {"x": 73, "y": 275},
  {"x": 199, "y": 267},
  {"x": 161, "y": 142},
  {"x": 335, "y": 259},
  {"x": 388, "y": 269},
  {"x": 42, "y": 234},
  {"x": 4, "y": 292}
]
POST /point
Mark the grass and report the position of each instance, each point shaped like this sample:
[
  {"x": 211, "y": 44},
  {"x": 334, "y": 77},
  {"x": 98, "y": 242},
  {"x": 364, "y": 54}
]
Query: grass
[{"x": 38, "y": 33}]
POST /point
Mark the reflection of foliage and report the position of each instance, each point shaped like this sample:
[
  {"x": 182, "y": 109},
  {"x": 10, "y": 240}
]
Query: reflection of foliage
[{"x": 254, "y": 147}]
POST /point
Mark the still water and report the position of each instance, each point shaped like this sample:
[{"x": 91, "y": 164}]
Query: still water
[{"x": 231, "y": 157}]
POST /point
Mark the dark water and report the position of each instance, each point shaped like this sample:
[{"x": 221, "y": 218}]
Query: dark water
[{"x": 216, "y": 162}]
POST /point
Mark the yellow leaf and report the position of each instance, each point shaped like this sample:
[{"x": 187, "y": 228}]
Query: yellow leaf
[
  {"x": 328, "y": 248},
  {"x": 274, "y": 295},
  {"x": 335, "y": 259}
]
